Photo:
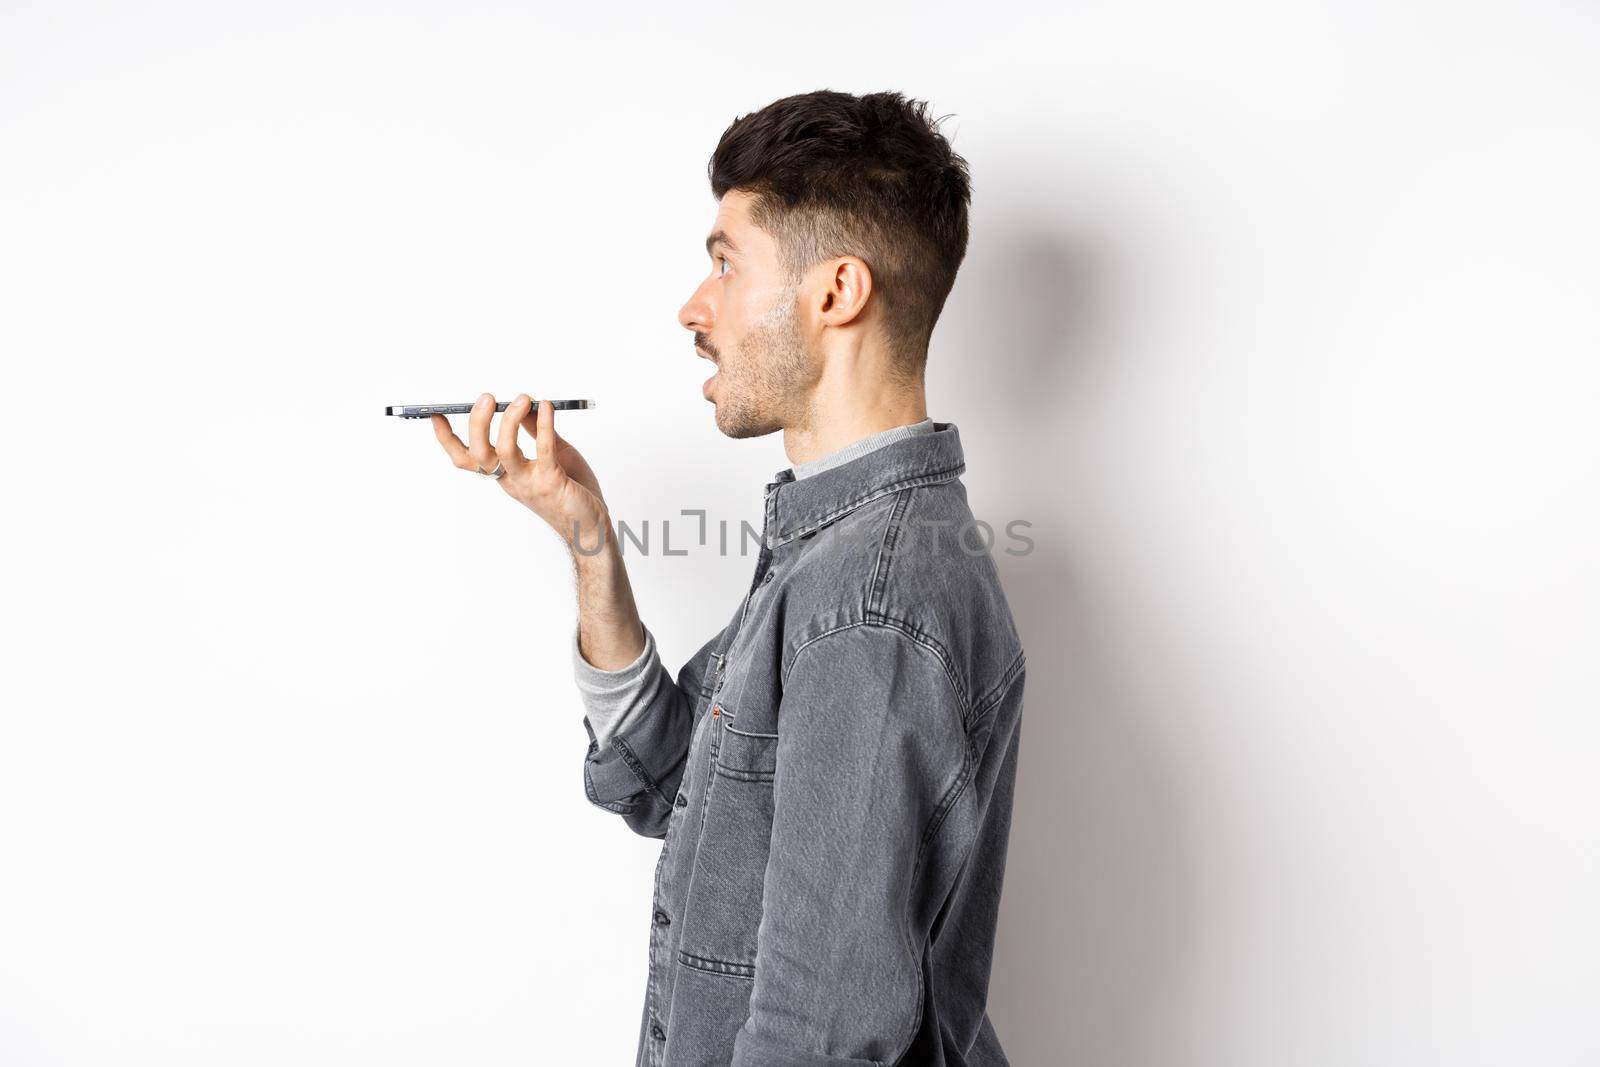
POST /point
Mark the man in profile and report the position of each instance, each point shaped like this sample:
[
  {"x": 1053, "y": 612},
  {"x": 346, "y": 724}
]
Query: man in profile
[{"x": 832, "y": 772}]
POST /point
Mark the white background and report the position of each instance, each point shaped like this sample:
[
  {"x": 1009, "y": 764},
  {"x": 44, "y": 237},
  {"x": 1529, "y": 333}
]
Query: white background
[{"x": 1279, "y": 324}]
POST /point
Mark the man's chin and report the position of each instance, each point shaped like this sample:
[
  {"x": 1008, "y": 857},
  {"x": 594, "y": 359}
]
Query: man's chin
[{"x": 741, "y": 425}]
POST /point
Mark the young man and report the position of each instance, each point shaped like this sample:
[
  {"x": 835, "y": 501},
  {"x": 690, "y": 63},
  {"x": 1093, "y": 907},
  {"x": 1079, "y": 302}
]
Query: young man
[{"x": 832, "y": 773}]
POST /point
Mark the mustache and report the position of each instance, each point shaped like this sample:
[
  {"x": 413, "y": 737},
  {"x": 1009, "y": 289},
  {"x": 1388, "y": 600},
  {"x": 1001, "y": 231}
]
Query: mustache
[{"x": 703, "y": 343}]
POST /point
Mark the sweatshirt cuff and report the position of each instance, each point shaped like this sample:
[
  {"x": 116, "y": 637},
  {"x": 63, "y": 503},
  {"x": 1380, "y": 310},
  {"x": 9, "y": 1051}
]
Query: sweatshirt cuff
[{"x": 608, "y": 696}]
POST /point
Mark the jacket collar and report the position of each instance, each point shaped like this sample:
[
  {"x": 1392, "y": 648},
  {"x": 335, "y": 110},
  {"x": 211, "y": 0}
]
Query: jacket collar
[{"x": 798, "y": 506}]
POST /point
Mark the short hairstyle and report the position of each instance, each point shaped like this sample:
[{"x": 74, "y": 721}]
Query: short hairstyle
[{"x": 832, "y": 174}]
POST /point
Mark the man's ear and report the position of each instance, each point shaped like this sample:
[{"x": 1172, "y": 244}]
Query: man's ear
[{"x": 847, "y": 288}]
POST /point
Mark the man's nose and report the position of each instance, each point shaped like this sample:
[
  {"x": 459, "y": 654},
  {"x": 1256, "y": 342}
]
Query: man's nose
[{"x": 696, "y": 315}]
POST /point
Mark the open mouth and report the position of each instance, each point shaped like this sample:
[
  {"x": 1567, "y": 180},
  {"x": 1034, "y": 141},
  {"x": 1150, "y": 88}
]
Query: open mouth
[{"x": 705, "y": 389}]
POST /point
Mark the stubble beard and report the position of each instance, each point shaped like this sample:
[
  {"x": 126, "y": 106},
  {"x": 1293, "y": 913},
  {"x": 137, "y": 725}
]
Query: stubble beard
[{"x": 768, "y": 375}]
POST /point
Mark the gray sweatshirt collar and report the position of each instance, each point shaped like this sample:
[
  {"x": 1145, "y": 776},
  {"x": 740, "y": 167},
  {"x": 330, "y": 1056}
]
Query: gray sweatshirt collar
[{"x": 860, "y": 448}]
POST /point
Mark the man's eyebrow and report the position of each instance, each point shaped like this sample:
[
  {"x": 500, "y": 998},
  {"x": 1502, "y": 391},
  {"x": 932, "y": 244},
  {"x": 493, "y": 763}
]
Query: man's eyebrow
[{"x": 722, "y": 236}]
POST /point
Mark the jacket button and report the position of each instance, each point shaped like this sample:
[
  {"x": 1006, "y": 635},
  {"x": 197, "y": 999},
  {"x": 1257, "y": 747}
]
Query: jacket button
[
  {"x": 768, "y": 578},
  {"x": 662, "y": 918},
  {"x": 682, "y": 801},
  {"x": 656, "y": 1031}
]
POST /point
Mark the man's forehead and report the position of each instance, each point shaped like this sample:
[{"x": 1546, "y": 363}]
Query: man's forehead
[
  {"x": 734, "y": 207},
  {"x": 732, "y": 223}
]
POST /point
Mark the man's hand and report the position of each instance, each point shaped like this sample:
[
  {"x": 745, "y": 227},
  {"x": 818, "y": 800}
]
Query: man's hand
[{"x": 557, "y": 484}]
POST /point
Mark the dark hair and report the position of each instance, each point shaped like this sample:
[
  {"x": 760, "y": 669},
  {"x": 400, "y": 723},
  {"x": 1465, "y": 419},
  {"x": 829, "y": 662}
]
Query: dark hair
[{"x": 832, "y": 174}]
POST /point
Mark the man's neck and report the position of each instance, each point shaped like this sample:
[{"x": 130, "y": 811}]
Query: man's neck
[
  {"x": 844, "y": 409},
  {"x": 802, "y": 445}
]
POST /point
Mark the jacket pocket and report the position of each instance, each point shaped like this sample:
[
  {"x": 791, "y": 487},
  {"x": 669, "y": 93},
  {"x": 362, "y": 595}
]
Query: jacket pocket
[
  {"x": 746, "y": 755},
  {"x": 723, "y": 910}
]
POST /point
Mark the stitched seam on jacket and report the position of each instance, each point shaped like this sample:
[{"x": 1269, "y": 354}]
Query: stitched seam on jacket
[
  {"x": 725, "y": 968},
  {"x": 969, "y": 765},
  {"x": 912, "y": 633},
  {"x": 727, "y": 724},
  {"x": 707, "y": 792},
  {"x": 934, "y": 645},
  {"x": 625, "y": 806},
  {"x": 638, "y": 768},
  {"x": 740, "y": 775},
  {"x": 810, "y": 525},
  {"x": 935, "y": 821},
  {"x": 873, "y": 609},
  {"x": 998, "y": 691},
  {"x": 808, "y": 642},
  {"x": 879, "y": 576}
]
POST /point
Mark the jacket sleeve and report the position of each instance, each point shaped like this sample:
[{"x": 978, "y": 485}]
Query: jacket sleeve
[
  {"x": 639, "y": 721},
  {"x": 871, "y": 753}
]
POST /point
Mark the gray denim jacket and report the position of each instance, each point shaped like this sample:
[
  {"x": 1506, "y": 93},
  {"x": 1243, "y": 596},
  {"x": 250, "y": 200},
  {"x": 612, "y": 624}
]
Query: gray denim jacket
[{"x": 832, "y": 778}]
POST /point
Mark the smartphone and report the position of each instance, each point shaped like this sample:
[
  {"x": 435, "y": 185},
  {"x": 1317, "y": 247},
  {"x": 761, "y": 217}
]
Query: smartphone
[{"x": 422, "y": 411}]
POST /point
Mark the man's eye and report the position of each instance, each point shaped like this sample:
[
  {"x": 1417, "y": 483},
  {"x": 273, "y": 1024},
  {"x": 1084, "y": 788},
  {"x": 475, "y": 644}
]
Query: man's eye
[{"x": 724, "y": 261}]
